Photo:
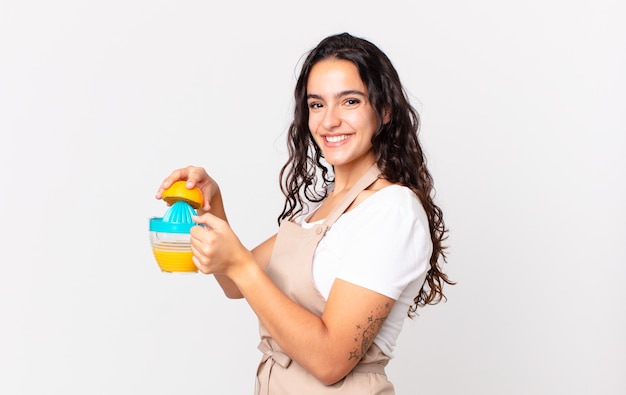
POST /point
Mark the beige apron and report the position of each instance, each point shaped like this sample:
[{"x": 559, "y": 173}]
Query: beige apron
[{"x": 290, "y": 268}]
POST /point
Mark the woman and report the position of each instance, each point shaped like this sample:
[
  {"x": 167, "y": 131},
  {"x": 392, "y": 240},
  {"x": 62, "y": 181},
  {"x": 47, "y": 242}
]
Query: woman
[{"x": 360, "y": 240}]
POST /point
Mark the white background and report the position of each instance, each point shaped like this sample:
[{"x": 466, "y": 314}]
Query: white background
[{"x": 524, "y": 124}]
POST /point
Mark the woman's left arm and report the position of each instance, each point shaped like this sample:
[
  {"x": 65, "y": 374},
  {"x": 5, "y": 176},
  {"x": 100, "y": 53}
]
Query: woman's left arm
[{"x": 328, "y": 346}]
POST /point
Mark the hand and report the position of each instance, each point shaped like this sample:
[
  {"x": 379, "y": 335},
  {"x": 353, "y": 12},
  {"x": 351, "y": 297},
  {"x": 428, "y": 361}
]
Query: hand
[
  {"x": 216, "y": 248},
  {"x": 195, "y": 176}
]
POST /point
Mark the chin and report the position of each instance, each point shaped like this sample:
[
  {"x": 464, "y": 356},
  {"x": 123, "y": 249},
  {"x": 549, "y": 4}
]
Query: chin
[{"x": 335, "y": 162}]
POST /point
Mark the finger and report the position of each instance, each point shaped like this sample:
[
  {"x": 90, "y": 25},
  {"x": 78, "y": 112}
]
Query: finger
[
  {"x": 199, "y": 234},
  {"x": 208, "y": 220},
  {"x": 203, "y": 269},
  {"x": 207, "y": 204},
  {"x": 193, "y": 176},
  {"x": 200, "y": 251},
  {"x": 179, "y": 174}
]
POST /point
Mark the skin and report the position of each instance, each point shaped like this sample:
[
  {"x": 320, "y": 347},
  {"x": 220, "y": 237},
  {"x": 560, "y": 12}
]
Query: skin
[{"x": 342, "y": 122}]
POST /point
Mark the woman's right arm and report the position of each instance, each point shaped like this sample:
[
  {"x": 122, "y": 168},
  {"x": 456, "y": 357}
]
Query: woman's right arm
[{"x": 213, "y": 203}]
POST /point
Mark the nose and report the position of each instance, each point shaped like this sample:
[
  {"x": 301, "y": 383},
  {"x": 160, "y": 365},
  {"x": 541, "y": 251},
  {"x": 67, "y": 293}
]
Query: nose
[{"x": 331, "y": 118}]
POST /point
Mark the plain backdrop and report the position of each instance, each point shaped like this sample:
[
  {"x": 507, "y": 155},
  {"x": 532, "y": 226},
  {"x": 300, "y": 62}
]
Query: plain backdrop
[{"x": 523, "y": 121}]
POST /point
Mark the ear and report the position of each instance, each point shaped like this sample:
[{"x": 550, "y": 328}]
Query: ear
[{"x": 386, "y": 114}]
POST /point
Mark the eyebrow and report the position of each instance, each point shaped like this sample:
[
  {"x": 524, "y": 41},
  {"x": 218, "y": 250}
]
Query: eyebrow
[{"x": 339, "y": 94}]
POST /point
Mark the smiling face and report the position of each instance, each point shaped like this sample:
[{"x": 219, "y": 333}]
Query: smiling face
[{"x": 341, "y": 117}]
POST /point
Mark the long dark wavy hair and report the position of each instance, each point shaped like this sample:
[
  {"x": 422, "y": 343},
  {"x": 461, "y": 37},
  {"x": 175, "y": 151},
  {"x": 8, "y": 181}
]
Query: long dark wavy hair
[{"x": 399, "y": 156}]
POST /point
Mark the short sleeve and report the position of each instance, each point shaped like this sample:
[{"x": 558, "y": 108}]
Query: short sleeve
[{"x": 385, "y": 242}]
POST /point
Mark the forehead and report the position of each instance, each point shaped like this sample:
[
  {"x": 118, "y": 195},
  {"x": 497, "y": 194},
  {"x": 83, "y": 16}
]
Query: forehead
[{"x": 334, "y": 75}]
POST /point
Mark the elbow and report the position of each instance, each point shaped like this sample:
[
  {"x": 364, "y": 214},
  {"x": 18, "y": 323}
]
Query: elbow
[
  {"x": 330, "y": 364},
  {"x": 232, "y": 294},
  {"x": 330, "y": 380},
  {"x": 331, "y": 373}
]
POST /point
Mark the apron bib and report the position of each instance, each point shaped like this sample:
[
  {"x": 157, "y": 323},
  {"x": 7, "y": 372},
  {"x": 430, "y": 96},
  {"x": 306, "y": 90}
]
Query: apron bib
[{"x": 290, "y": 268}]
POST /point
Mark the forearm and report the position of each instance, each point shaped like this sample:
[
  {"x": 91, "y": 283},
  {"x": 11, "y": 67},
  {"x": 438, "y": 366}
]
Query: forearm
[
  {"x": 228, "y": 286},
  {"x": 262, "y": 254},
  {"x": 302, "y": 335}
]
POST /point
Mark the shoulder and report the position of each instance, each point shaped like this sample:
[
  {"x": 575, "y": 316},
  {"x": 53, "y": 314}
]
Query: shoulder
[
  {"x": 390, "y": 210},
  {"x": 387, "y": 191},
  {"x": 381, "y": 183},
  {"x": 391, "y": 197}
]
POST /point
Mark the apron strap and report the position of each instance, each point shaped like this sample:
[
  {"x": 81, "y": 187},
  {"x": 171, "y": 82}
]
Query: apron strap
[{"x": 367, "y": 179}]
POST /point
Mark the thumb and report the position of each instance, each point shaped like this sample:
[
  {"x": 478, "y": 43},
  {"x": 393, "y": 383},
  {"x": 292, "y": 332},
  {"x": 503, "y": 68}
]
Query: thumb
[{"x": 208, "y": 220}]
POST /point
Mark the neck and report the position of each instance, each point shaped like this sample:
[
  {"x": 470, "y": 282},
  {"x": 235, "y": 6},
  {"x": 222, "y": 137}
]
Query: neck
[{"x": 347, "y": 175}]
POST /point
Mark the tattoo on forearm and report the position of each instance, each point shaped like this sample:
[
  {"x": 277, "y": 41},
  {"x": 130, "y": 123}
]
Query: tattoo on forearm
[{"x": 367, "y": 331}]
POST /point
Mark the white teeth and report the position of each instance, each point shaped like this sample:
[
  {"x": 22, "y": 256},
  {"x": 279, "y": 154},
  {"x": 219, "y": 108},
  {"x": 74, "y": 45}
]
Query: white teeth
[{"x": 336, "y": 139}]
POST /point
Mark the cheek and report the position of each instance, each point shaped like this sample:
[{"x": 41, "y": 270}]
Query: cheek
[
  {"x": 369, "y": 122},
  {"x": 313, "y": 123},
  {"x": 358, "y": 122}
]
